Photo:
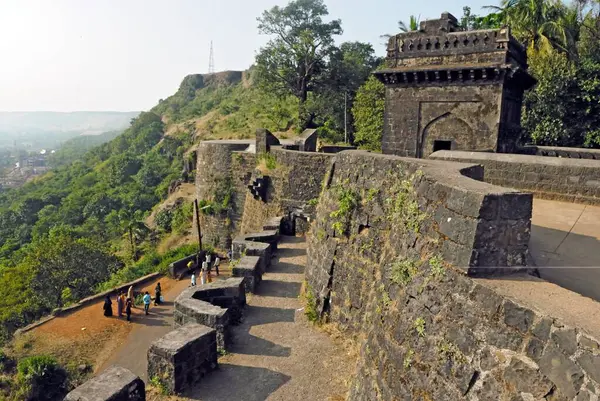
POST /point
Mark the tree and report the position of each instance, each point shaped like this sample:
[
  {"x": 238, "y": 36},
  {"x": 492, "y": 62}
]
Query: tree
[
  {"x": 132, "y": 223},
  {"x": 301, "y": 44},
  {"x": 349, "y": 67},
  {"x": 368, "y": 112},
  {"x": 534, "y": 22},
  {"x": 62, "y": 261},
  {"x": 469, "y": 22},
  {"x": 413, "y": 24}
]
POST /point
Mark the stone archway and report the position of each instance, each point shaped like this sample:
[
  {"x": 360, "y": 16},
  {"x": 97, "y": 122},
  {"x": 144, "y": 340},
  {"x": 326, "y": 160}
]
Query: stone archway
[{"x": 447, "y": 128}]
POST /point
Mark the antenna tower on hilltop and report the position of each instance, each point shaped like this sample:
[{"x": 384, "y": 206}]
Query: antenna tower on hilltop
[{"x": 211, "y": 60}]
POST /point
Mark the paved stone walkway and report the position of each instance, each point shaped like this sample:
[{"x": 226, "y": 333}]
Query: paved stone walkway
[
  {"x": 565, "y": 245},
  {"x": 276, "y": 354}
]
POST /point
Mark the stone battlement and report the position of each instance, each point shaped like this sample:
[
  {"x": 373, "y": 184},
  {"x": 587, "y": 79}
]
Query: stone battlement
[{"x": 443, "y": 40}]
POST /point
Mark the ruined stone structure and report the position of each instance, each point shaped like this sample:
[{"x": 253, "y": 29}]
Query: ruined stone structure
[
  {"x": 405, "y": 248},
  {"x": 183, "y": 357},
  {"x": 447, "y": 89},
  {"x": 390, "y": 269},
  {"x": 114, "y": 384},
  {"x": 555, "y": 178}
]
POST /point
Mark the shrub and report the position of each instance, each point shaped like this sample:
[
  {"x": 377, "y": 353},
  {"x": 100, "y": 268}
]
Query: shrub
[{"x": 41, "y": 378}]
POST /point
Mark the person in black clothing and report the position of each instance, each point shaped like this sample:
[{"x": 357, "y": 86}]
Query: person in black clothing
[
  {"x": 128, "y": 309},
  {"x": 157, "y": 292},
  {"x": 107, "y": 306}
]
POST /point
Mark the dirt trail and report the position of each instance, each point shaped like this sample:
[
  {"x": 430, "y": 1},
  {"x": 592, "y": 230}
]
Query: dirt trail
[
  {"x": 86, "y": 336},
  {"x": 277, "y": 354}
]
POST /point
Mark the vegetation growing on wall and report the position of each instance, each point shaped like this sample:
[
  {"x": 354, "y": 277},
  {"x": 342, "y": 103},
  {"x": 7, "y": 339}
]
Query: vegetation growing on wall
[{"x": 347, "y": 200}]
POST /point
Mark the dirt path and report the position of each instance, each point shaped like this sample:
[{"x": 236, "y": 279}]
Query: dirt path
[
  {"x": 276, "y": 354},
  {"x": 86, "y": 336},
  {"x": 132, "y": 352}
]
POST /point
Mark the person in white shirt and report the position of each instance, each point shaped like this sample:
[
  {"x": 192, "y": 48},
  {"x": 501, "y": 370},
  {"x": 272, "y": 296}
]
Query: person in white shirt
[{"x": 217, "y": 263}]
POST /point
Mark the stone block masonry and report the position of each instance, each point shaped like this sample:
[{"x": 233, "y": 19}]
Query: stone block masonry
[
  {"x": 218, "y": 183},
  {"x": 389, "y": 260},
  {"x": 554, "y": 178},
  {"x": 248, "y": 267},
  {"x": 181, "y": 358},
  {"x": 217, "y": 305},
  {"x": 114, "y": 384},
  {"x": 450, "y": 89}
]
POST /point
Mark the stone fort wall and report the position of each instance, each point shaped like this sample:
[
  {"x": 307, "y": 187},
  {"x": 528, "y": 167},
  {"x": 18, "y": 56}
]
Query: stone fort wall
[
  {"x": 555, "y": 178},
  {"x": 292, "y": 184},
  {"x": 387, "y": 258},
  {"x": 221, "y": 178}
]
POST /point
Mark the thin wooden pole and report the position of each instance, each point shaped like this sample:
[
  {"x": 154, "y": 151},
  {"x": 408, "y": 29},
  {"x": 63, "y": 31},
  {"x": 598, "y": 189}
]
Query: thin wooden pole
[{"x": 197, "y": 210}]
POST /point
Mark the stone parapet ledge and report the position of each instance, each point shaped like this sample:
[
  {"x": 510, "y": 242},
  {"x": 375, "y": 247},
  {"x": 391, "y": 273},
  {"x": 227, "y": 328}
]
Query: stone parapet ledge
[
  {"x": 217, "y": 305},
  {"x": 181, "y": 358},
  {"x": 249, "y": 248},
  {"x": 249, "y": 268},
  {"x": 389, "y": 262},
  {"x": 114, "y": 384},
  {"x": 274, "y": 224},
  {"x": 554, "y": 178},
  {"x": 558, "y": 151},
  {"x": 270, "y": 237},
  {"x": 88, "y": 301}
]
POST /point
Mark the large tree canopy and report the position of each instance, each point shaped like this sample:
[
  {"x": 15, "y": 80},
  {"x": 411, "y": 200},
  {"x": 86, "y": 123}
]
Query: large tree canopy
[{"x": 301, "y": 43}]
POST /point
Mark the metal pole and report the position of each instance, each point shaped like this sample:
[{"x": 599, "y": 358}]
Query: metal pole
[
  {"x": 197, "y": 211},
  {"x": 345, "y": 117}
]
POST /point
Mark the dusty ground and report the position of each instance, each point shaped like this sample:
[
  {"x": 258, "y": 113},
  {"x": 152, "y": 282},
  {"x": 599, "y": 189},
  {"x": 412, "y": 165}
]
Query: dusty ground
[
  {"x": 564, "y": 240},
  {"x": 86, "y": 336},
  {"x": 277, "y": 354}
]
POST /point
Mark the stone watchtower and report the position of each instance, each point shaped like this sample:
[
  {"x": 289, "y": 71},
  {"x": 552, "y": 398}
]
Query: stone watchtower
[{"x": 450, "y": 89}]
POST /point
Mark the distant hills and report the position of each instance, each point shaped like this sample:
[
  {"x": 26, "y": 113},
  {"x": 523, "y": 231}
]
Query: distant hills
[
  {"x": 44, "y": 129},
  {"x": 87, "y": 122}
]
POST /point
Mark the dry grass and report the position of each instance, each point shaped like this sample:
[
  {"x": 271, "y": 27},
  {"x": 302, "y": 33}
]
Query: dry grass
[{"x": 175, "y": 240}]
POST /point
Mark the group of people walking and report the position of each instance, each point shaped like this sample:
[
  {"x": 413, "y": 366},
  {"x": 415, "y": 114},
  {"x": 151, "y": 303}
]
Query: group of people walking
[
  {"x": 205, "y": 270},
  {"x": 125, "y": 302}
]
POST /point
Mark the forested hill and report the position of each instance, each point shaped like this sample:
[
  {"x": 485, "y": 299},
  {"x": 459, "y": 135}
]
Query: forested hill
[{"x": 82, "y": 226}]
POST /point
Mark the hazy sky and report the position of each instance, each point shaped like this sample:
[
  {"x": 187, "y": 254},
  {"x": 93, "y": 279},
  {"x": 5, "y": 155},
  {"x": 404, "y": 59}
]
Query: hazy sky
[{"x": 67, "y": 55}]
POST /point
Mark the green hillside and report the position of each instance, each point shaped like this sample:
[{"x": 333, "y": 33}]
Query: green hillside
[{"x": 95, "y": 206}]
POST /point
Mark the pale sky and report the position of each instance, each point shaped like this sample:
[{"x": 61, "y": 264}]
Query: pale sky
[{"x": 124, "y": 55}]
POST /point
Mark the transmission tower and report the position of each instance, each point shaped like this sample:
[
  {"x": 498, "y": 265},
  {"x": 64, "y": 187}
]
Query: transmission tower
[{"x": 211, "y": 60}]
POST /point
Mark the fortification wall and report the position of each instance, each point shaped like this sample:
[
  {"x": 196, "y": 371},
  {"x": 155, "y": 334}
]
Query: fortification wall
[
  {"x": 295, "y": 180},
  {"x": 556, "y": 151},
  {"x": 555, "y": 178},
  {"x": 218, "y": 181},
  {"x": 386, "y": 261}
]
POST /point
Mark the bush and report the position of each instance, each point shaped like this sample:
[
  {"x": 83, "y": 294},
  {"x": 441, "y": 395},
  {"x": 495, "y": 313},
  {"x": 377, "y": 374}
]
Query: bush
[{"x": 41, "y": 378}]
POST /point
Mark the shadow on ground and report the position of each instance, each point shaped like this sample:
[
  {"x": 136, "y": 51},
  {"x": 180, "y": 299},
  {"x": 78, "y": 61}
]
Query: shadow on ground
[
  {"x": 287, "y": 268},
  {"x": 244, "y": 383},
  {"x": 244, "y": 342},
  {"x": 280, "y": 289},
  {"x": 567, "y": 259}
]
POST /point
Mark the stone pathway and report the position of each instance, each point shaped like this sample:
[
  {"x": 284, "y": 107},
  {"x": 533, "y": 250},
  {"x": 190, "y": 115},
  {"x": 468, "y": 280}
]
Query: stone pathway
[
  {"x": 132, "y": 352},
  {"x": 565, "y": 245},
  {"x": 276, "y": 354}
]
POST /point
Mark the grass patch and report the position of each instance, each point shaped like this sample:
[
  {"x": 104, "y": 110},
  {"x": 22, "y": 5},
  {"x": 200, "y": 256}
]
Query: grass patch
[
  {"x": 310, "y": 304},
  {"x": 419, "y": 326},
  {"x": 347, "y": 201},
  {"x": 160, "y": 386},
  {"x": 403, "y": 207},
  {"x": 267, "y": 162},
  {"x": 403, "y": 271}
]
